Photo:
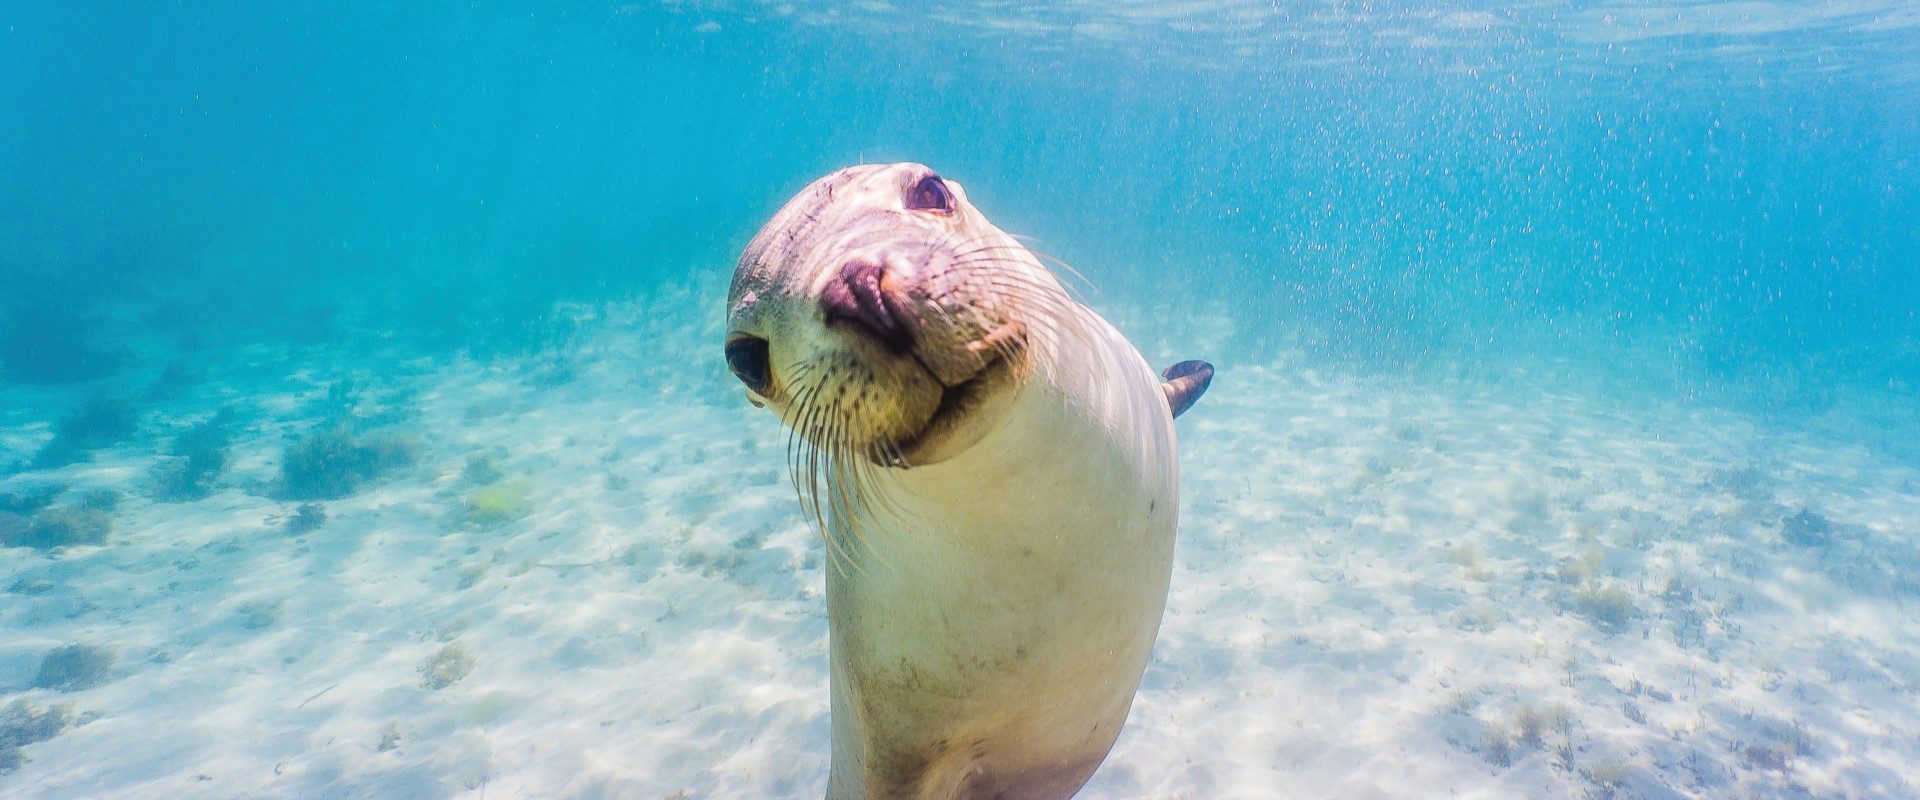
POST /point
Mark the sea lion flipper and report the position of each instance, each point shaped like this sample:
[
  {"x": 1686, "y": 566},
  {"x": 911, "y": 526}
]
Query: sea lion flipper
[{"x": 1186, "y": 381}]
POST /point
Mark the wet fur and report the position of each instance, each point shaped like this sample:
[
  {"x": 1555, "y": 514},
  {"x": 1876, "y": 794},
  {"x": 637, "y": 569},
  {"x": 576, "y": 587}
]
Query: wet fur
[
  {"x": 997, "y": 502},
  {"x": 835, "y": 401}
]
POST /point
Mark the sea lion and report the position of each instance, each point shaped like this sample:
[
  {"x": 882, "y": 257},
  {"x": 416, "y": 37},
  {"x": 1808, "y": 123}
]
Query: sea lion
[{"x": 993, "y": 469}]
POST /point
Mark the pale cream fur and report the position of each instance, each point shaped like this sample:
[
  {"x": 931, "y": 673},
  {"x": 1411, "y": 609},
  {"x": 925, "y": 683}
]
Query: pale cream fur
[{"x": 993, "y": 604}]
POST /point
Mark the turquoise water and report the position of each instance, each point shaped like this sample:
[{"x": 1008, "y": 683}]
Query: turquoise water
[
  {"x": 336, "y": 217},
  {"x": 1722, "y": 185}
]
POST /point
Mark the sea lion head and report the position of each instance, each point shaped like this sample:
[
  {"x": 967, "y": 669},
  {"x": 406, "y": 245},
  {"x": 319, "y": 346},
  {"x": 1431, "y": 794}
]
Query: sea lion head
[{"x": 883, "y": 318}]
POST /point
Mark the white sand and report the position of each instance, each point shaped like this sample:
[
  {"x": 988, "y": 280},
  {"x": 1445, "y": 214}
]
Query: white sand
[{"x": 1374, "y": 576}]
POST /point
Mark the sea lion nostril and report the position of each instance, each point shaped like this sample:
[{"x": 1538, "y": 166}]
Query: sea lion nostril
[{"x": 857, "y": 298}]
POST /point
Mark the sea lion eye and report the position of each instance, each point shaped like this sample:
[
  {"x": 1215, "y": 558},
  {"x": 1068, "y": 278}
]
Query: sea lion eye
[
  {"x": 930, "y": 194},
  {"x": 747, "y": 357}
]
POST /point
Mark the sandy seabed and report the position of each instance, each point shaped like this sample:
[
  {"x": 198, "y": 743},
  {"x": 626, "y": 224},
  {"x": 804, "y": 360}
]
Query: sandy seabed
[{"x": 592, "y": 580}]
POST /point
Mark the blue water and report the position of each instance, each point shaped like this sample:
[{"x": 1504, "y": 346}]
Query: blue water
[
  {"x": 1716, "y": 204},
  {"x": 1396, "y": 183}
]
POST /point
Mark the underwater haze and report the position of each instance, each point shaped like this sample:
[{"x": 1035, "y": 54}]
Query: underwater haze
[{"x": 364, "y": 429}]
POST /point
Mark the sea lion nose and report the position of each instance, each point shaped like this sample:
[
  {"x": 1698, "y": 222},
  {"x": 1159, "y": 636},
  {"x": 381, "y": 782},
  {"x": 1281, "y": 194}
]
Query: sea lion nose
[{"x": 858, "y": 299}]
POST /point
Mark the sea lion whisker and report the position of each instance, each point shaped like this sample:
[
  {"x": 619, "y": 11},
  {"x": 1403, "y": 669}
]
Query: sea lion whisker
[
  {"x": 987, "y": 247},
  {"x": 818, "y": 469},
  {"x": 1027, "y": 242},
  {"x": 800, "y": 468},
  {"x": 858, "y": 483},
  {"x": 1033, "y": 296},
  {"x": 807, "y": 473},
  {"x": 824, "y": 464},
  {"x": 992, "y": 256},
  {"x": 974, "y": 267},
  {"x": 846, "y": 486},
  {"x": 1072, "y": 288},
  {"x": 835, "y": 519},
  {"x": 1036, "y": 258},
  {"x": 997, "y": 339},
  {"x": 974, "y": 273}
]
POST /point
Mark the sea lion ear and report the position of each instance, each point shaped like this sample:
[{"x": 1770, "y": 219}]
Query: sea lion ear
[{"x": 1186, "y": 381}]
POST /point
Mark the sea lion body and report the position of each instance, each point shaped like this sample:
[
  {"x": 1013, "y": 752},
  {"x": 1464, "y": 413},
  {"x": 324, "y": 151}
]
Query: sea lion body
[
  {"x": 997, "y": 480},
  {"x": 1002, "y": 648}
]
